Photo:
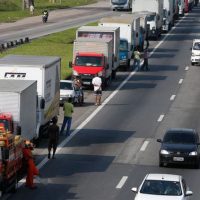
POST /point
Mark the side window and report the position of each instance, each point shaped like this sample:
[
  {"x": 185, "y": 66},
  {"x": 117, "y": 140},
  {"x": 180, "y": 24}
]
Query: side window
[{"x": 184, "y": 186}]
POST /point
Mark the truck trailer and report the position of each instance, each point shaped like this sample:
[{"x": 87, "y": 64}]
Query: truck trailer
[
  {"x": 155, "y": 21},
  {"x": 103, "y": 32},
  {"x": 46, "y": 71},
  {"x": 18, "y": 107},
  {"x": 91, "y": 57}
]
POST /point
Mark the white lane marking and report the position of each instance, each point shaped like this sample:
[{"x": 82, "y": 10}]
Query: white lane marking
[
  {"x": 172, "y": 97},
  {"x": 64, "y": 142},
  {"x": 186, "y": 68},
  {"x": 144, "y": 146},
  {"x": 122, "y": 182},
  {"x": 180, "y": 81},
  {"x": 161, "y": 118}
]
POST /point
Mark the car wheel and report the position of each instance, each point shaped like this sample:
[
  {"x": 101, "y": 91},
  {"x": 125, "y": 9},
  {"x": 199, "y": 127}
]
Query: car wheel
[
  {"x": 192, "y": 64},
  {"x": 160, "y": 164},
  {"x": 197, "y": 165}
]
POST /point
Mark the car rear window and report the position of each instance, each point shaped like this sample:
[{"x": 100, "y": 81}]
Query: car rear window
[{"x": 179, "y": 138}]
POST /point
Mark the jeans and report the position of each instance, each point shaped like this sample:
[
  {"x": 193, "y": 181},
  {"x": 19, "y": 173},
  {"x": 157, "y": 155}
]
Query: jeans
[
  {"x": 137, "y": 64},
  {"x": 68, "y": 121}
]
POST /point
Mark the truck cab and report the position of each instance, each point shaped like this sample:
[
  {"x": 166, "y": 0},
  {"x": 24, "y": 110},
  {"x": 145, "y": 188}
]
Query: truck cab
[
  {"x": 123, "y": 53},
  {"x": 6, "y": 122}
]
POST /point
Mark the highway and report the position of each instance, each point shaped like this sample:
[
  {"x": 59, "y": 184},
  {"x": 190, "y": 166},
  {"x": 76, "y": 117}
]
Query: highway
[{"x": 112, "y": 147}]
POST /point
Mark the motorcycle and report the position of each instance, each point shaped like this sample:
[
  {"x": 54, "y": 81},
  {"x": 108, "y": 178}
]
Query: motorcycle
[
  {"x": 79, "y": 97},
  {"x": 45, "y": 16}
]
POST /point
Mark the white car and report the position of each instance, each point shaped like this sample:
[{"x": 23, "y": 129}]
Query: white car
[
  {"x": 195, "y": 57},
  {"x": 66, "y": 90},
  {"x": 162, "y": 187}
]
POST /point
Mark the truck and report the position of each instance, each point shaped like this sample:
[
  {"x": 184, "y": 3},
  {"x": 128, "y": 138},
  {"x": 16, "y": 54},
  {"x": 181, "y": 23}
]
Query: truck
[
  {"x": 11, "y": 162},
  {"x": 46, "y": 71},
  {"x": 155, "y": 21},
  {"x": 91, "y": 57},
  {"x": 18, "y": 107},
  {"x": 121, "y": 4},
  {"x": 127, "y": 36},
  {"x": 103, "y": 32},
  {"x": 168, "y": 19},
  {"x": 181, "y": 7},
  {"x": 138, "y": 36}
]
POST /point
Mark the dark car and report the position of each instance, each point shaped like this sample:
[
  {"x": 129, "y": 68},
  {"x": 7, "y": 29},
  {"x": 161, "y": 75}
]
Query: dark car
[{"x": 180, "y": 146}]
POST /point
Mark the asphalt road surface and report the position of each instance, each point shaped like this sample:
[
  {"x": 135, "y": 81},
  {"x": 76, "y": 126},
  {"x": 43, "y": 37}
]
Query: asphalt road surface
[{"x": 112, "y": 147}]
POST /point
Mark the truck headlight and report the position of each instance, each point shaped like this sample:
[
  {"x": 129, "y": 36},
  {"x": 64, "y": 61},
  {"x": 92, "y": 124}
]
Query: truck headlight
[
  {"x": 193, "y": 153},
  {"x": 124, "y": 57},
  {"x": 75, "y": 73},
  {"x": 164, "y": 152}
]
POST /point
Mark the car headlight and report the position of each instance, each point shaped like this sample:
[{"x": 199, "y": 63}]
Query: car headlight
[
  {"x": 75, "y": 73},
  {"x": 164, "y": 152},
  {"x": 100, "y": 73},
  {"x": 193, "y": 153}
]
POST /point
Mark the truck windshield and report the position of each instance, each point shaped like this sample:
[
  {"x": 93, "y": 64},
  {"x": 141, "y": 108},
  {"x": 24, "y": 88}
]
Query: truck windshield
[
  {"x": 151, "y": 18},
  {"x": 164, "y": 13},
  {"x": 4, "y": 123},
  {"x": 123, "y": 45},
  {"x": 196, "y": 46},
  {"x": 89, "y": 61},
  {"x": 119, "y": 1}
]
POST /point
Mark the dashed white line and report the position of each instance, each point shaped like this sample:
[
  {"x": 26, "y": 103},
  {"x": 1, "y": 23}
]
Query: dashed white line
[
  {"x": 122, "y": 182},
  {"x": 186, "y": 68},
  {"x": 144, "y": 146},
  {"x": 161, "y": 118},
  {"x": 180, "y": 81},
  {"x": 172, "y": 97}
]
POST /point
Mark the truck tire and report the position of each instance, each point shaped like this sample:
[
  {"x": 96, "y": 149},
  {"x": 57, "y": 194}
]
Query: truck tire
[{"x": 14, "y": 187}]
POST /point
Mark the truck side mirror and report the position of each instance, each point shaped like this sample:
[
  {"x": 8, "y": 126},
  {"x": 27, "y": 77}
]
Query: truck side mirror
[
  {"x": 107, "y": 66},
  {"x": 70, "y": 64},
  {"x": 131, "y": 47},
  {"x": 115, "y": 59},
  {"x": 42, "y": 103},
  {"x": 137, "y": 34},
  {"x": 169, "y": 13}
]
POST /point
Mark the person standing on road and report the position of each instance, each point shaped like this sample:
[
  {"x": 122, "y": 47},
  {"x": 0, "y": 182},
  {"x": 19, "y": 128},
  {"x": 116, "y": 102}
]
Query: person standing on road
[
  {"x": 68, "y": 110},
  {"x": 137, "y": 55},
  {"x": 29, "y": 162},
  {"x": 97, "y": 83},
  {"x": 53, "y": 133},
  {"x": 145, "y": 64}
]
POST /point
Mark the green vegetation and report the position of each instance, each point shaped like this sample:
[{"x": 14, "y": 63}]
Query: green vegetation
[
  {"x": 11, "y": 10},
  {"x": 57, "y": 44}
]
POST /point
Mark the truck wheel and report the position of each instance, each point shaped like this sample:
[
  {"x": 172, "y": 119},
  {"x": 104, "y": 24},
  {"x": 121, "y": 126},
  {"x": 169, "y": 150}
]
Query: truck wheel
[{"x": 14, "y": 187}]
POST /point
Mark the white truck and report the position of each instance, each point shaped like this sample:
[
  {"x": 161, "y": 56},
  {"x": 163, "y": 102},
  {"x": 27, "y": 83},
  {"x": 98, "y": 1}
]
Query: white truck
[
  {"x": 168, "y": 19},
  {"x": 155, "y": 21},
  {"x": 121, "y": 4},
  {"x": 91, "y": 57},
  {"x": 46, "y": 71},
  {"x": 127, "y": 36},
  {"x": 103, "y": 32},
  {"x": 18, "y": 98}
]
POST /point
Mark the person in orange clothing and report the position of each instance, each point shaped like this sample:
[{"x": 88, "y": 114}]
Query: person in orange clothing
[{"x": 31, "y": 168}]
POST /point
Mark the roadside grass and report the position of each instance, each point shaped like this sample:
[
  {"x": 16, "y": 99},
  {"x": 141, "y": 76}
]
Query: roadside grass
[
  {"x": 11, "y": 10},
  {"x": 57, "y": 44}
]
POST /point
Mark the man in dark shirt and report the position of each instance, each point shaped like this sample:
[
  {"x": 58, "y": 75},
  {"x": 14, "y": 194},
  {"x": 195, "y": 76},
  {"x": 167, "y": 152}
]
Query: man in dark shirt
[{"x": 53, "y": 132}]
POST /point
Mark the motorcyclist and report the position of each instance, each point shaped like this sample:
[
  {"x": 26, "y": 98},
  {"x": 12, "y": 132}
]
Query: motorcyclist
[
  {"x": 45, "y": 15},
  {"x": 77, "y": 83}
]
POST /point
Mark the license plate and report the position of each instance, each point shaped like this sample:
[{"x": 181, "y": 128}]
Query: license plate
[
  {"x": 179, "y": 159},
  {"x": 86, "y": 83}
]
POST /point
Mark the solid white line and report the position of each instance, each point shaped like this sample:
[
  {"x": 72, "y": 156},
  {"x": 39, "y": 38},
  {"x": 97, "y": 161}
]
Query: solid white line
[
  {"x": 122, "y": 182},
  {"x": 180, "y": 81},
  {"x": 186, "y": 68},
  {"x": 64, "y": 142},
  {"x": 144, "y": 146},
  {"x": 172, "y": 97},
  {"x": 161, "y": 118}
]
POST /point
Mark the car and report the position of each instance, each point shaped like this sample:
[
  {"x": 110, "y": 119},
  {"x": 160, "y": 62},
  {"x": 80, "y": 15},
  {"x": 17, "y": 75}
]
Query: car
[
  {"x": 162, "y": 187},
  {"x": 179, "y": 146},
  {"x": 195, "y": 57},
  {"x": 66, "y": 90}
]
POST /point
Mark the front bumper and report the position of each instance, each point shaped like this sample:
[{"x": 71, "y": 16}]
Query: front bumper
[
  {"x": 119, "y": 7},
  {"x": 165, "y": 27},
  {"x": 123, "y": 62},
  {"x": 64, "y": 98},
  {"x": 153, "y": 33},
  {"x": 195, "y": 59},
  {"x": 179, "y": 159}
]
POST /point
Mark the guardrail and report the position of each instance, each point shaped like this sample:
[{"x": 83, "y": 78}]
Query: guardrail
[{"x": 12, "y": 44}]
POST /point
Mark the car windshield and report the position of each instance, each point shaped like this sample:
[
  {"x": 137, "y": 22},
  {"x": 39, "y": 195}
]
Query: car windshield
[
  {"x": 119, "y": 1},
  {"x": 123, "y": 45},
  {"x": 151, "y": 18},
  {"x": 4, "y": 123},
  {"x": 179, "y": 138},
  {"x": 89, "y": 61},
  {"x": 196, "y": 46},
  {"x": 66, "y": 86},
  {"x": 160, "y": 187}
]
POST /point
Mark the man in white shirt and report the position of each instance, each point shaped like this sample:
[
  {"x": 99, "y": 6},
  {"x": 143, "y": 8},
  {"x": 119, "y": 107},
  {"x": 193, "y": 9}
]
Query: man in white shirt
[{"x": 97, "y": 82}]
